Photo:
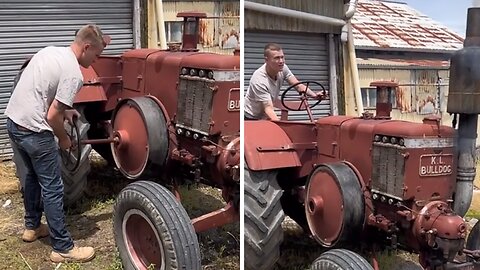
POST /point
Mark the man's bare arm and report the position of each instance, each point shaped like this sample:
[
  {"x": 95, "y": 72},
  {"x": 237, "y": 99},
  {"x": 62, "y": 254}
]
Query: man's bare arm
[
  {"x": 55, "y": 118},
  {"x": 268, "y": 109},
  {"x": 301, "y": 88}
]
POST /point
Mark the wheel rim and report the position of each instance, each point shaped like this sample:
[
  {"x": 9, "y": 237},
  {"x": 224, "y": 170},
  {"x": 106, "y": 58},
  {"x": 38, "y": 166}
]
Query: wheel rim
[
  {"x": 143, "y": 243},
  {"x": 129, "y": 124},
  {"x": 324, "y": 208},
  {"x": 71, "y": 158}
]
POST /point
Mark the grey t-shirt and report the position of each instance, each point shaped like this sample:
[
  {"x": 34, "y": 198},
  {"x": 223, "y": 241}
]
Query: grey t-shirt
[
  {"x": 263, "y": 88},
  {"x": 53, "y": 73}
]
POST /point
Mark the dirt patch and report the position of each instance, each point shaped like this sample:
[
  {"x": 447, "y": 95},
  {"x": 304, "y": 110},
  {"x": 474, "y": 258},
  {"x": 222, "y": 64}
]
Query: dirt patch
[{"x": 90, "y": 223}]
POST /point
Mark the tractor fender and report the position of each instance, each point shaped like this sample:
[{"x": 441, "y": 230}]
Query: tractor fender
[
  {"x": 91, "y": 89},
  {"x": 266, "y": 146}
]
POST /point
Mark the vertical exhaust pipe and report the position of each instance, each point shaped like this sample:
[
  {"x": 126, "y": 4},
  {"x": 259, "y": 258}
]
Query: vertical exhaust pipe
[
  {"x": 464, "y": 95},
  {"x": 191, "y": 28}
]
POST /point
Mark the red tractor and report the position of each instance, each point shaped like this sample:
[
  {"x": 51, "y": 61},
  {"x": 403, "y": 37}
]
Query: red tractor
[
  {"x": 369, "y": 182},
  {"x": 171, "y": 115}
]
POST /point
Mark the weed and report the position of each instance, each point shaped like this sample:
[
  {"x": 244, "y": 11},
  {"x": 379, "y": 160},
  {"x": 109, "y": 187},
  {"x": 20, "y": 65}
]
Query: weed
[
  {"x": 473, "y": 213},
  {"x": 117, "y": 263},
  {"x": 71, "y": 266}
]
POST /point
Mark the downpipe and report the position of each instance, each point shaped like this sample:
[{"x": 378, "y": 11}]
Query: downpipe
[
  {"x": 347, "y": 36},
  {"x": 354, "y": 69},
  {"x": 293, "y": 13},
  {"x": 160, "y": 23}
]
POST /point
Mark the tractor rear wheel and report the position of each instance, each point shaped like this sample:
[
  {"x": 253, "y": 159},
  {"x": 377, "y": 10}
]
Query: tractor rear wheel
[
  {"x": 473, "y": 239},
  {"x": 75, "y": 182},
  {"x": 263, "y": 219},
  {"x": 340, "y": 259},
  {"x": 152, "y": 229}
]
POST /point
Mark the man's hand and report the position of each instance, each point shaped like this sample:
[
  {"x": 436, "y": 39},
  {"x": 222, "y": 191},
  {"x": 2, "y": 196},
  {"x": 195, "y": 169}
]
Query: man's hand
[
  {"x": 320, "y": 95},
  {"x": 71, "y": 115},
  {"x": 65, "y": 143}
]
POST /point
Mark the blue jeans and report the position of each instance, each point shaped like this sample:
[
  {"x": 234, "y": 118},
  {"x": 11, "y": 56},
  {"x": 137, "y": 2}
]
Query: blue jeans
[{"x": 39, "y": 153}]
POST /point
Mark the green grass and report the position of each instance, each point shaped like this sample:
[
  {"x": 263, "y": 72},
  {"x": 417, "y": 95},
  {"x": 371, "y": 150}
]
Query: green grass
[{"x": 473, "y": 213}]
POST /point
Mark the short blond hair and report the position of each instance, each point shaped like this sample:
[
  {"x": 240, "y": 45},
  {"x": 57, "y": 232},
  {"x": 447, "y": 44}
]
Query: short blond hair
[
  {"x": 271, "y": 47},
  {"x": 92, "y": 34}
]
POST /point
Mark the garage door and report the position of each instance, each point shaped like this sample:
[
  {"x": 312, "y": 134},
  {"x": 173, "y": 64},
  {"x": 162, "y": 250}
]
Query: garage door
[
  {"x": 305, "y": 54},
  {"x": 27, "y": 26}
]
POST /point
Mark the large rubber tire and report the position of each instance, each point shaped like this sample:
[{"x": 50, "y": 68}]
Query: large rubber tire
[
  {"x": 20, "y": 168},
  {"x": 75, "y": 182},
  {"x": 152, "y": 227},
  {"x": 340, "y": 259},
  {"x": 473, "y": 239},
  {"x": 263, "y": 219}
]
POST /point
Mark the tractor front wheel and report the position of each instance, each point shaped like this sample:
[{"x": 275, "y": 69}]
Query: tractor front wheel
[
  {"x": 263, "y": 219},
  {"x": 340, "y": 259},
  {"x": 152, "y": 229}
]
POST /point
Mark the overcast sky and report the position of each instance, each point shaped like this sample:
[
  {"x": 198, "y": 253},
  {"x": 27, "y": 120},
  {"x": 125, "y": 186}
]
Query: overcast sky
[{"x": 451, "y": 13}]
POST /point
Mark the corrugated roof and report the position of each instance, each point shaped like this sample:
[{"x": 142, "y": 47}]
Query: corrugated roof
[
  {"x": 381, "y": 24},
  {"x": 402, "y": 63}
]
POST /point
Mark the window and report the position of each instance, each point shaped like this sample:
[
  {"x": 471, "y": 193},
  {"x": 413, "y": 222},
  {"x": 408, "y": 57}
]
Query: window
[{"x": 369, "y": 97}]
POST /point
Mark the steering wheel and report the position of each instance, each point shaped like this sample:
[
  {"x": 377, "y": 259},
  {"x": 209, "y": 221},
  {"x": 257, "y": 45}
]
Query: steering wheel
[
  {"x": 303, "y": 96},
  {"x": 71, "y": 158}
]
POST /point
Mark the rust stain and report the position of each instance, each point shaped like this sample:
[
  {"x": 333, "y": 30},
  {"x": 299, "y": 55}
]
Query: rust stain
[
  {"x": 427, "y": 105},
  {"x": 402, "y": 95},
  {"x": 396, "y": 25},
  {"x": 206, "y": 38}
]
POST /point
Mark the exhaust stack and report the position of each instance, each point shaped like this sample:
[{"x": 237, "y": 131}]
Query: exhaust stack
[
  {"x": 464, "y": 95},
  {"x": 191, "y": 23}
]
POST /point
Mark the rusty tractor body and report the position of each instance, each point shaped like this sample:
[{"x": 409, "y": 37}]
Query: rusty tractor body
[
  {"x": 369, "y": 182},
  {"x": 171, "y": 115}
]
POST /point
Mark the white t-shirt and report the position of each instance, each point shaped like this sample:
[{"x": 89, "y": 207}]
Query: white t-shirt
[
  {"x": 263, "y": 88},
  {"x": 53, "y": 73}
]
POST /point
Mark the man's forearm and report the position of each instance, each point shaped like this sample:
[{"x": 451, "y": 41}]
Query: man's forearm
[
  {"x": 302, "y": 88},
  {"x": 270, "y": 113},
  {"x": 56, "y": 122}
]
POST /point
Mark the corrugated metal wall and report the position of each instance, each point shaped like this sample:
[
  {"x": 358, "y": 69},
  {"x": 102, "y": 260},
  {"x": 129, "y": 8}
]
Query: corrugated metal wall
[
  {"x": 329, "y": 8},
  {"x": 306, "y": 55},
  {"x": 26, "y": 26}
]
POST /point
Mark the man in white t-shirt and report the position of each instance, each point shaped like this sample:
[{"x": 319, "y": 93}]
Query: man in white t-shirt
[
  {"x": 40, "y": 103},
  {"x": 265, "y": 84}
]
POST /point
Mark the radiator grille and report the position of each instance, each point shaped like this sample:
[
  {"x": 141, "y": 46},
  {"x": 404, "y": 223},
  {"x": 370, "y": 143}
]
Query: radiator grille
[
  {"x": 388, "y": 169},
  {"x": 195, "y": 103}
]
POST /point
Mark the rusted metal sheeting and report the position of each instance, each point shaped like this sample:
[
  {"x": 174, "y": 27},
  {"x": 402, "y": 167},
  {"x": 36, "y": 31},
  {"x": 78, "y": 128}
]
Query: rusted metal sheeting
[
  {"x": 423, "y": 91},
  {"x": 261, "y": 21},
  {"x": 402, "y": 77},
  {"x": 220, "y": 31},
  {"x": 379, "y": 24}
]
